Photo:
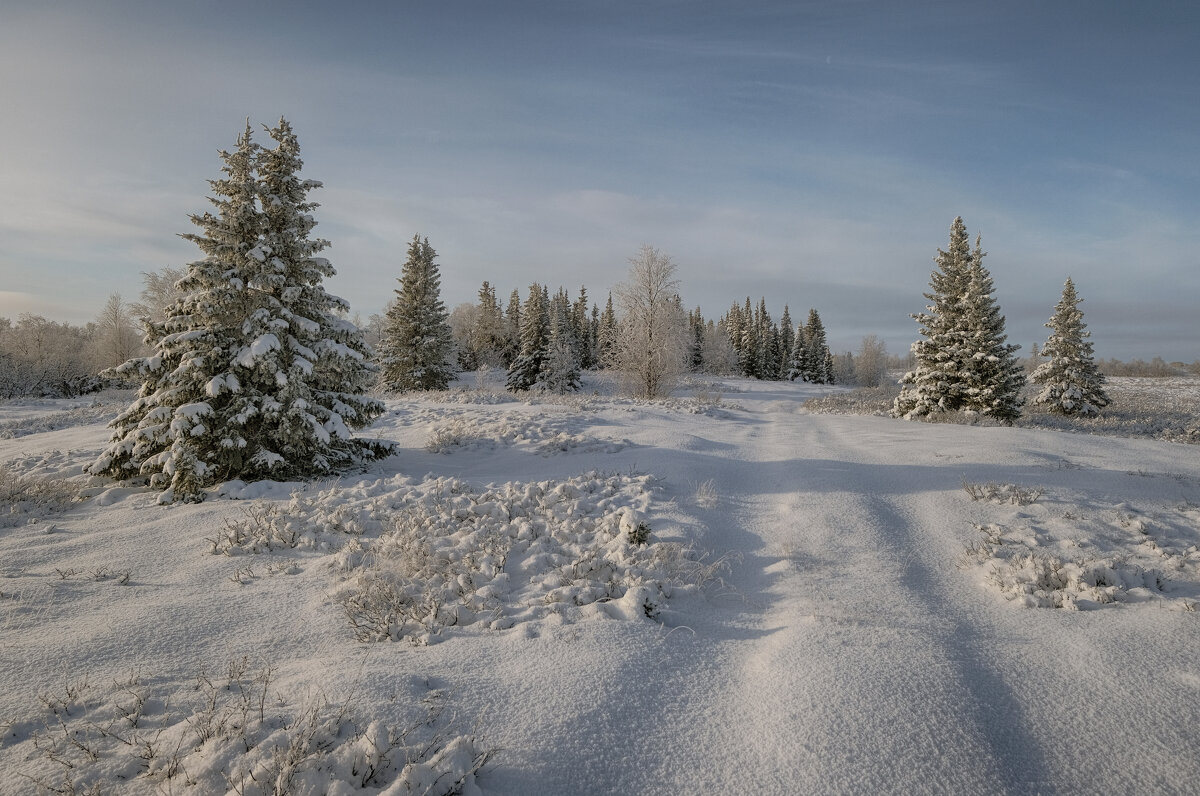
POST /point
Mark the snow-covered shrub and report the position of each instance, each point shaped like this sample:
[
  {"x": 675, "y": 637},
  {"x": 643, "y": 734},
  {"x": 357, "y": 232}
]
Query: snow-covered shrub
[
  {"x": 67, "y": 418},
  {"x": 234, "y": 732},
  {"x": 639, "y": 535},
  {"x": 1002, "y": 493},
  {"x": 544, "y": 435},
  {"x": 26, "y": 498},
  {"x": 310, "y": 523},
  {"x": 705, "y": 495},
  {"x": 877, "y": 401},
  {"x": 1028, "y": 566}
]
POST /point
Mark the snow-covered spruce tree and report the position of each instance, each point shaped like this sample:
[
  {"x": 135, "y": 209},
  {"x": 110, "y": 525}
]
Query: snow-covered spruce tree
[
  {"x": 799, "y": 355},
  {"x": 581, "y": 326},
  {"x": 252, "y": 373},
  {"x": 535, "y": 337},
  {"x": 936, "y": 383},
  {"x": 787, "y": 344},
  {"x": 417, "y": 349},
  {"x": 695, "y": 341},
  {"x": 560, "y": 367},
  {"x": 606, "y": 335},
  {"x": 487, "y": 331},
  {"x": 818, "y": 361},
  {"x": 964, "y": 362},
  {"x": 1071, "y": 382},
  {"x": 651, "y": 345},
  {"x": 512, "y": 330},
  {"x": 992, "y": 376}
]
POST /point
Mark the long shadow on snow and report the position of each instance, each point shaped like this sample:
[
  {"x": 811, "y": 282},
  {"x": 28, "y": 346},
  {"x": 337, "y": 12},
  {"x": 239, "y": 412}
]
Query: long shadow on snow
[{"x": 994, "y": 708}]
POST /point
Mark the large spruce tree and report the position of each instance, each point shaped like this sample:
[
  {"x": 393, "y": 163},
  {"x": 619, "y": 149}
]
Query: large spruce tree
[
  {"x": 992, "y": 377},
  {"x": 964, "y": 362},
  {"x": 416, "y": 351},
  {"x": 1071, "y": 383},
  {"x": 253, "y": 374}
]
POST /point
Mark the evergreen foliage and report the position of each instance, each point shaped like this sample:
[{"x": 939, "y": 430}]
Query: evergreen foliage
[
  {"x": 560, "y": 366},
  {"x": 581, "y": 327},
  {"x": 535, "y": 336},
  {"x": 1071, "y": 383},
  {"x": 512, "y": 330},
  {"x": 787, "y": 344},
  {"x": 799, "y": 355},
  {"x": 417, "y": 349},
  {"x": 992, "y": 376},
  {"x": 964, "y": 362},
  {"x": 253, "y": 374},
  {"x": 811, "y": 359},
  {"x": 606, "y": 335}
]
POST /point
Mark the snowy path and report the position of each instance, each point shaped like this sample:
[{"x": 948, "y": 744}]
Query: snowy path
[{"x": 859, "y": 657}]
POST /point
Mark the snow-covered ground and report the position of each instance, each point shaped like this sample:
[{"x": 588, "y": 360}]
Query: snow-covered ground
[{"x": 824, "y": 603}]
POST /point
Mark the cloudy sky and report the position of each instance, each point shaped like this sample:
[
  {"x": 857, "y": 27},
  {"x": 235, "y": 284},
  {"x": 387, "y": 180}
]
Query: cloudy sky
[{"x": 811, "y": 152}]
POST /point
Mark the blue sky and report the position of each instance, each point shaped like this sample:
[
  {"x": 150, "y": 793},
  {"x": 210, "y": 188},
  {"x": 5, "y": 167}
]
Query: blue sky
[{"x": 813, "y": 153}]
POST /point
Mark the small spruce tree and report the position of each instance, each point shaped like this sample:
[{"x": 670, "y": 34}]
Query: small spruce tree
[
  {"x": 787, "y": 344},
  {"x": 1071, "y": 383},
  {"x": 799, "y": 355},
  {"x": 416, "y": 352},
  {"x": 606, "y": 335},
  {"x": 560, "y": 367},
  {"x": 535, "y": 337},
  {"x": 818, "y": 365}
]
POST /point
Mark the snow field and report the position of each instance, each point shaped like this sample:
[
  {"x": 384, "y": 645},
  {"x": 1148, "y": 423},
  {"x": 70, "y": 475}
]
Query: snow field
[{"x": 843, "y": 648}]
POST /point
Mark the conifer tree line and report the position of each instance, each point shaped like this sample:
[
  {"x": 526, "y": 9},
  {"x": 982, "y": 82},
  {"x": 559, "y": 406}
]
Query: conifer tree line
[
  {"x": 776, "y": 351},
  {"x": 545, "y": 342}
]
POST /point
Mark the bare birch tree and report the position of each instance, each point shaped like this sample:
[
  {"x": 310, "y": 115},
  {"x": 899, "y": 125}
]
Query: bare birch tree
[{"x": 650, "y": 349}]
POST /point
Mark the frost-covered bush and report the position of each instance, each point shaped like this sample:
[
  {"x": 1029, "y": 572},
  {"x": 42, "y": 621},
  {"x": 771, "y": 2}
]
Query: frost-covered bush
[
  {"x": 24, "y": 498},
  {"x": 1114, "y": 562},
  {"x": 99, "y": 409},
  {"x": 1002, "y": 493},
  {"x": 457, "y": 556},
  {"x": 876, "y": 401},
  {"x": 232, "y": 731},
  {"x": 546, "y": 436},
  {"x": 414, "y": 559}
]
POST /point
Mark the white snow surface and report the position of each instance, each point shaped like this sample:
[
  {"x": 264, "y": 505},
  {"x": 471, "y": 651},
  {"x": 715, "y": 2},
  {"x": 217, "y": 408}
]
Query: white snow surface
[{"x": 822, "y": 608}]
